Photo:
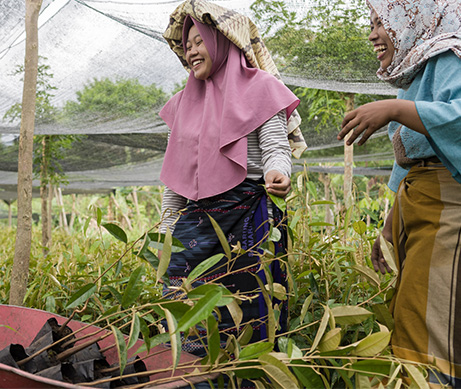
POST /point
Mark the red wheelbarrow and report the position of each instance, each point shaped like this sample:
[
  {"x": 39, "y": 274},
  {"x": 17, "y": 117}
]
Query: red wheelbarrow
[{"x": 19, "y": 325}]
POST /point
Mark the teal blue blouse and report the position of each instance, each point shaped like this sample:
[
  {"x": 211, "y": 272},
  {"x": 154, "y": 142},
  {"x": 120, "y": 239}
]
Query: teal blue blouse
[{"x": 436, "y": 91}]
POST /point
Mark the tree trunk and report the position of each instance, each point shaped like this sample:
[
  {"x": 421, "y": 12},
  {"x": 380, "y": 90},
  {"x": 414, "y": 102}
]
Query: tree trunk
[
  {"x": 348, "y": 158},
  {"x": 44, "y": 196},
  {"x": 20, "y": 271}
]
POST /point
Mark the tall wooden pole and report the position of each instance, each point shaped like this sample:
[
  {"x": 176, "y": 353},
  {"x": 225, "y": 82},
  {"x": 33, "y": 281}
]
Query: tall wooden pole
[
  {"x": 20, "y": 271},
  {"x": 348, "y": 158}
]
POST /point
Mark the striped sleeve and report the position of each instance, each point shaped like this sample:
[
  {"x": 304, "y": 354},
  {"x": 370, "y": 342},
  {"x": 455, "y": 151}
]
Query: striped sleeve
[
  {"x": 274, "y": 145},
  {"x": 171, "y": 204}
]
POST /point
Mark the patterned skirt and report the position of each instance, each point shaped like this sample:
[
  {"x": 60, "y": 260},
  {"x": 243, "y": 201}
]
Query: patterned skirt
[
  {"x": 242, "y": 214},
  {"x": 427, "y": 305}
]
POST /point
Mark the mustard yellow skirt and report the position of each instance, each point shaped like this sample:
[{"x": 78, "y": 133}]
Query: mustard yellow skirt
[{"x": 427, "y": 303}]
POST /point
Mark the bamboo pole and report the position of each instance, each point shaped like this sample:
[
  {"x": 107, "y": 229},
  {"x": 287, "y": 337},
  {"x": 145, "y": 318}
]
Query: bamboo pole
[
  {"x": 20, "y": 271},
  {"x": 348, "y": 158}
]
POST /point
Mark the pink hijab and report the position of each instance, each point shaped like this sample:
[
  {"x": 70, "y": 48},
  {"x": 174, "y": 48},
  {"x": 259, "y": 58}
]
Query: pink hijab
[{"x": 210, "y": 119}]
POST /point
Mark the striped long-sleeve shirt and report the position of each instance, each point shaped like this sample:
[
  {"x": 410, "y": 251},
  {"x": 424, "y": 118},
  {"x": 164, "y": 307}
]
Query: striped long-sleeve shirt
[{"x": 268, "y": 149}]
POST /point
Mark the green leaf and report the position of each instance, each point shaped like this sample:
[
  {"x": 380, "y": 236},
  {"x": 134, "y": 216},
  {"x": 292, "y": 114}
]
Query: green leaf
[
  {"x": 373, "y": 344},
  {"x": 144, "y": 247},
  {"x": 308, "y": 377},
  {"x": 368, "y": 273},
  {"x": 202, "y": 290},
  {"x": 342, "y": 372},
  {"x": 279, "y": 202},
  {"x": 271, "y": 324},
  {"x": 282, "y": 342},
  {"x": 373, "y": 367},
  {"x": 86, "y": 225},
  {"x": 253, "y": 372},
  {"x": 121, "y": 348},
  {"x": 148, "y": 256},
  {"x": 255, "y": 350},
  {"x": 236, "y": 312},
  {"x": 362, "y": 381},
  {"x": 166, "y": 256},
  {"x": 331, "y": 340},
  {"x": 175, "y": 338},
  {"x": 359, "y": 227},
  {"x": 116, "y": 231},
  {"x": 135, "y": 329},
  {"x": 81, "y": 296},
  {"x": 347, "y": 219},
  {"x": 305, "y": 307},
  {"x": 145, "y": 333},
  {"x": 177, "y": 308},
  {"x": 275, "y": 234},
  {"x": 246, "y": 335},
  {"x": 322, "y": 328},
  {"x": 278, "y": 291},
  {"x": 293, "y": 351},
  {"x": 350, "y": 314},
  {"x": 417, "y": 376},
  {"x": 111, "y": 311},
  {"x": 222, "y": 238},
  {"x": 98, "y": 216},
  {"x": 320, "y": 224},
  {"x": 322, "y": 202},
  {"x": 155, "y": 341},
  {"x": 157, "y": 240},
  {"x": 115, "y": 293},
  {"x": 278, "y": 372},
  {"x": 203, "y": 266},
  {"x": 213, "y": 339},
  {"x": 134, "y": 287},
  {"x": 383, "y": 315},
  {"x": 388, "y": 253},
  {"x": 200, "y": 311}
]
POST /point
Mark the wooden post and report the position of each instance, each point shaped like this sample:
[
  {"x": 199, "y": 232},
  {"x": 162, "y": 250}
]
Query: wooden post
[
  {"x": 20, "y": 271},
  {"x": 110, "y": 208},
  {"x": 72, "y": 216},
  {"x": 10, "y": 212},
  {"x": 348, "y": 158},
  {"x": 62, "y": 211}
]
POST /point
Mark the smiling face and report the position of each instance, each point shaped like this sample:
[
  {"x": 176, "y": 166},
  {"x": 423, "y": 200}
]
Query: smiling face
[
  {"x": 383, "y": 46},
  {"x": 197, "y": 55}
]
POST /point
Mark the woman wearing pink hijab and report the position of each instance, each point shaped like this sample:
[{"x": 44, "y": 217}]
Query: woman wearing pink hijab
[{"x": 228, "y": 144}]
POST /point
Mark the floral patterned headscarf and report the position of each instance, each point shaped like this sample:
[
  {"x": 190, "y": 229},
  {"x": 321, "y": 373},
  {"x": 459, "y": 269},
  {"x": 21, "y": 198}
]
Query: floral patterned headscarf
[{"x": 419, "y": 30}]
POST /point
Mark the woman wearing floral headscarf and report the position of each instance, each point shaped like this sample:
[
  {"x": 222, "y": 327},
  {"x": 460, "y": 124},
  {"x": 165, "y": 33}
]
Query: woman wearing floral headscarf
[
  {"x": 418, "y": 43},
  {"x": 228, "y": 140}
]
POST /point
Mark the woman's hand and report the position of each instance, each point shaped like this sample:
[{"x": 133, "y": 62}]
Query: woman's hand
[
  {"x": 277, "y": 184},
  {"x": 369, "y": 118},
  {"x": 366, "y": 119}
]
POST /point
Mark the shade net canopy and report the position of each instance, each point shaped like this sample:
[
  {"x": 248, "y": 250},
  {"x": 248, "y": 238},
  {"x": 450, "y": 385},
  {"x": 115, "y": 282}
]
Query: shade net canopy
[{"x": 85, "y": 45}]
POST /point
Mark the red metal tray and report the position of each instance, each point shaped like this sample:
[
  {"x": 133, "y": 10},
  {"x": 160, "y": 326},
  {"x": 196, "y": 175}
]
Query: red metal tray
[{"x": 26, "y": 323}]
